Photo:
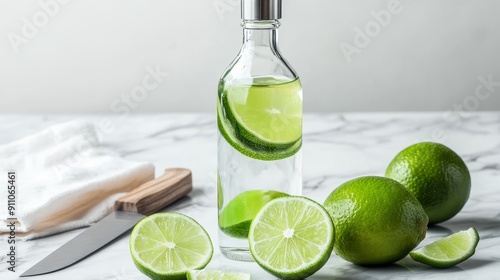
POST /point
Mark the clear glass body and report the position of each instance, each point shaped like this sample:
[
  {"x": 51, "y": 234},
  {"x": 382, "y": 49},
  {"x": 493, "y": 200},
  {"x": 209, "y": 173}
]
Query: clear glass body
[{"x": 259, "y": 115}]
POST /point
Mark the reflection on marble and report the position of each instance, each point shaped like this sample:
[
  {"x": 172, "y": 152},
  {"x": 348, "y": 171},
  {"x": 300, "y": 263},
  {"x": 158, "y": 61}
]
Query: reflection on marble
[{"x": 336, "y": 148}]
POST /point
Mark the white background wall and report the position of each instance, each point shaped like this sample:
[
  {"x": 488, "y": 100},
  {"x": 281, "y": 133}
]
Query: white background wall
[{"x": 89, "y": 56}]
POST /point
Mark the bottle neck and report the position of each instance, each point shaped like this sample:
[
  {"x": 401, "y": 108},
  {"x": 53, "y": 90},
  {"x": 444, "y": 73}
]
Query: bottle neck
[
  {"x": 259, "y": 56},
  {"x": 261, "y": 34}
]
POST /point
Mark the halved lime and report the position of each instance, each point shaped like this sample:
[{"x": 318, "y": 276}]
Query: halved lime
[
  {"x": 167, "y": 245},
  {"x": 267, "y": 113},
  {"x": 249, "y": 150},
  {"x": 208, "y": 274},
  {"x": 236, "y": 217},
  {"x": 448, "y": 251},
  {"x": 291, "y": 237}
]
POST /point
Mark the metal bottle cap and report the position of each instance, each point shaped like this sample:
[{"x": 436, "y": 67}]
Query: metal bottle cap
[{"x": 260, "y": 9}]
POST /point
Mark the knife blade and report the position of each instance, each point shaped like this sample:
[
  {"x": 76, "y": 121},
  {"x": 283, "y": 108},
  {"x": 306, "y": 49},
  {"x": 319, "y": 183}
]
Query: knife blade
[{"x": 146, "y": 199}]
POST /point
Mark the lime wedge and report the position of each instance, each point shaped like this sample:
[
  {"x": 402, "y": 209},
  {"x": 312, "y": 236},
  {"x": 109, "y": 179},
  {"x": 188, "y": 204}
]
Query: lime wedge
[
  {"x": 252, "y": 150},
  {"x": 167, "y": 245},
  {"x": 208, "y": 274},
  {"x": 236, "y": 217},
  {"x": 267, "y": 113},
  {"x": 448, "y": 251},
  {"x": 291, "y": 237}
]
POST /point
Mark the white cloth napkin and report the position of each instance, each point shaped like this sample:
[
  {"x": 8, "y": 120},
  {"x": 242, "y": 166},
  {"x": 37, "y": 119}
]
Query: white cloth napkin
[{"x": 65, "y": 179}]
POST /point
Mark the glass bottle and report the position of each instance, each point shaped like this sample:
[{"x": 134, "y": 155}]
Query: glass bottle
[{"x": 259, "y": 118}]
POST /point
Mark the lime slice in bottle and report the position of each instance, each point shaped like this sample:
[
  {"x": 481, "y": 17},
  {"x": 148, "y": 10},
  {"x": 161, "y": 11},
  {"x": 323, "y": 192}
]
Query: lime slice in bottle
[
  {"x": 253, "y": 151},
  {"x": 267, "y": 113},
  {"x": 236, "y": 217},
  {"x": 291, "y": 237},
  {"x": 208, "y": 274},
  {"x": 448, "y": 251},
  {"x": 167, "y": 245}
]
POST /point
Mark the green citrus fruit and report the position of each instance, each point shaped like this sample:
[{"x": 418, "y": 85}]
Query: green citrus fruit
[
  {"x": 167, "y": 245},
  {"x": 437, "y": 177},
  {"x": 236, "y": 217},
  {"x": 448, "y": 251},
  {"x": 291, "y": 237},
  {"x": 377, "y": 220}
]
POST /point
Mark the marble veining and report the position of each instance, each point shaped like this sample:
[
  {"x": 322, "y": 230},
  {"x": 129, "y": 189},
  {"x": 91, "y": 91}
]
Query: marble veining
[{"x": 337, "y": 147}]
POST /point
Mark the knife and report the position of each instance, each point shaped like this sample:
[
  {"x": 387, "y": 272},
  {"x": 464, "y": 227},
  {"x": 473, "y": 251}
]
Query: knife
[{"x": 146, "y": 199}]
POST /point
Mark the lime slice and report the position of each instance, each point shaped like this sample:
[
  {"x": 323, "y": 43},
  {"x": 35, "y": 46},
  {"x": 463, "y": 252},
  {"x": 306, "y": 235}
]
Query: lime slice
[
  {"x": 236, "y": 217},
  {"x": 167, "y": 245},
  {"x": 208, "y": 274},
  {"x": 252, "y": 150},
  {"x": 448, "y": 251},
  {"x": 291, "y": 237},
  {"x": 267, "y": 113}
]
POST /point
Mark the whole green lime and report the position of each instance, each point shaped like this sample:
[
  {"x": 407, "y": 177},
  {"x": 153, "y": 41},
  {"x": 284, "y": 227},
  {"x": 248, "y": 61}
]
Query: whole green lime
[
  {"x": 377, "y": 220},
  {"x": 436, "y": 175}
]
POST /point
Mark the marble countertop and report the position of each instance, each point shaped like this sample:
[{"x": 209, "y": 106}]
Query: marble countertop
[{"x": 337, "y": 147}]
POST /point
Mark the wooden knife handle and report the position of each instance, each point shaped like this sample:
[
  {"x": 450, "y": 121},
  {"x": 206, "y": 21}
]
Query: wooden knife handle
[{"x": 156, "y": 194}]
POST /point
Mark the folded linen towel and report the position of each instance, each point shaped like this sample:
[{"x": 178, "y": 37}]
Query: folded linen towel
[{"x": 65, "y": 179}]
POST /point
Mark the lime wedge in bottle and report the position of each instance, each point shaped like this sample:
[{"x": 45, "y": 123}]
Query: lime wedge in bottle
[{"x": 236, "y": 217}]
